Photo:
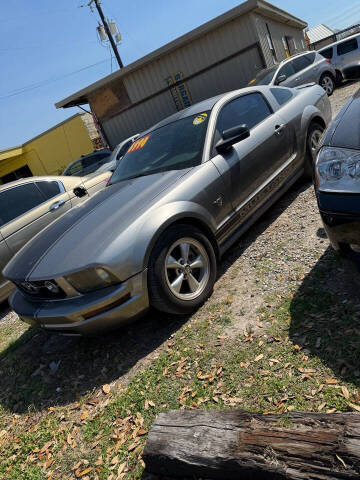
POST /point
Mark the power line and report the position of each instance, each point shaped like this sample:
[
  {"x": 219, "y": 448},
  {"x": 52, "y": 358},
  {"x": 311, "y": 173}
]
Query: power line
[
  {"x": 345, "y": 12},
  {"x": 43, "y": 83}
]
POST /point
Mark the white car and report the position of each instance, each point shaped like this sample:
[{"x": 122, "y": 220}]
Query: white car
[{"x": 117, "y": 154}]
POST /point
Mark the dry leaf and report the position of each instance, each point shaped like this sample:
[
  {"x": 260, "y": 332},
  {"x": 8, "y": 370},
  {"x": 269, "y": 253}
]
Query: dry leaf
[
  {"x": 133, "y": 446},
  {"x": 345, "y": 392},
  {"x": 321, "y": 406},
  {"x": 84, "y": 415},
  {"x": 84, "y": 472},
  {"x": 48, "y": 463},
  {"x": 355, "y": 407},
  {"x": 331, "y": 381},
  {"x": 259, "y": 357},
  {"x": 106, "y": 389},
  {"x": 341, "y": 460},
  {"x": 115, "y": 460}
]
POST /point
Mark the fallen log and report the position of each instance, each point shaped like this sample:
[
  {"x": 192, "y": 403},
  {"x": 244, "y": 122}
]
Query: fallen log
[{"x": 243, "y": 445}]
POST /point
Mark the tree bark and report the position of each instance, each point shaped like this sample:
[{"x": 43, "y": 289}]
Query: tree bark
[{"x": 243, "y": 445}]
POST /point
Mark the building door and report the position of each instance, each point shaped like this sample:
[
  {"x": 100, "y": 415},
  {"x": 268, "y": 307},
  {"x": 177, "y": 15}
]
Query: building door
[{"x": 22, "y": 172}]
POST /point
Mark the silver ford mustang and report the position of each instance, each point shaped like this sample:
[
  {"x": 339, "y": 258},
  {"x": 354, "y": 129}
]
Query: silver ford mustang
[{"x": 183, "y": 193}]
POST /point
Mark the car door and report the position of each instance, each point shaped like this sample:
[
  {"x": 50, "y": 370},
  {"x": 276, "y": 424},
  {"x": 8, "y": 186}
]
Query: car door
[
  {"x": 288, "y": 70},
  {"x": 249, "y": 166},
  {"x": 348, "y": 53},
  {"x": 5, "y": 256},
  {"x": 306, "y": 69},
  {"x": 28, "y": 208}
]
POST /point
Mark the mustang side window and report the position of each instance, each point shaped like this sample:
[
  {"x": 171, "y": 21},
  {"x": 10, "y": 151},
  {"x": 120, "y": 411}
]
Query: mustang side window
[
  {"x": 248, "y": 109},
  {"x": 18, "y": 200}
]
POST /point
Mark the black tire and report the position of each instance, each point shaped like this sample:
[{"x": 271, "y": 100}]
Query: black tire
[
  {"x": 161, "y": 296},
  {"x": 339, "y": 78},
  {"x": 310, "y": 153},
  {"x": 328, "y": 80}
]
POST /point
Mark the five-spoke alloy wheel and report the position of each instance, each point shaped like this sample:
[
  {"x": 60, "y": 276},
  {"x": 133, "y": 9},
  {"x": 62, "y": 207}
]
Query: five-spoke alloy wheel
[
  {"x": 182, "y": 270},
  {"x": 328, "y": 84}
]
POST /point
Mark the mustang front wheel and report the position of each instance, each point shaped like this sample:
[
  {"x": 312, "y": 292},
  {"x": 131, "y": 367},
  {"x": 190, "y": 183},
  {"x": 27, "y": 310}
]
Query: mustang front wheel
[{"x": 182, "y": 270}]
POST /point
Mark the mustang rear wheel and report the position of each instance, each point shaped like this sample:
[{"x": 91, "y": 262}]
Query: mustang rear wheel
[
  {"x": 313, "y": 139},
  {"x": 182, "y": 270}
]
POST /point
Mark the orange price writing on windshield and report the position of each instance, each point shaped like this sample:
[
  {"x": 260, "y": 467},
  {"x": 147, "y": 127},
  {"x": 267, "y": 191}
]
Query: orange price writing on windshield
[{"x": 140, "y": 143}]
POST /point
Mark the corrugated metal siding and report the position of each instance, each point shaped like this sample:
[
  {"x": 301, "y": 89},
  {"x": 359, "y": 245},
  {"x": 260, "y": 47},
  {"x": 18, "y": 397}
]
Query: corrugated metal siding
[
  {"x": 191, "y": 58},
  {"x": 277, "y": 31},
  {"x": 230, "y": 75},
  {"x": 318, "y": 33},
  {"x": 208, "y": 53}
]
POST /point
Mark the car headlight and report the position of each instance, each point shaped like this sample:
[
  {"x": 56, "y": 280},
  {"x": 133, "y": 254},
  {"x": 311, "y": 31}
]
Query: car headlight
[
  {"x": 91, "y": 279},
  {"x": 338, "y": 170}
]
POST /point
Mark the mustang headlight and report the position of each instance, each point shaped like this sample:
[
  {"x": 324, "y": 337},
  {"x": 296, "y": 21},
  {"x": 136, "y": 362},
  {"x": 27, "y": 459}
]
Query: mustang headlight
[
  {"x": 92, "y": 279},
  {"x": 338, "y": 170}
]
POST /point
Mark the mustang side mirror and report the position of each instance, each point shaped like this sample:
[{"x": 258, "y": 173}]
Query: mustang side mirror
[
  {"x": 80, "y": 191},
  {"x": 231, "y": 136},
  {"x": 281, "y": 79}
]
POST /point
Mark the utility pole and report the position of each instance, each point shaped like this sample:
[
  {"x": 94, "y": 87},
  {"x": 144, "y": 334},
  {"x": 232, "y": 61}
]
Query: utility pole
[{"x": 107, "y": 30}]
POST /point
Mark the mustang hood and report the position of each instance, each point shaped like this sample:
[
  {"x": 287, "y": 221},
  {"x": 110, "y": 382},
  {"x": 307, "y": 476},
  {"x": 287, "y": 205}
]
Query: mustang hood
[{"x": 79, "y": 237}]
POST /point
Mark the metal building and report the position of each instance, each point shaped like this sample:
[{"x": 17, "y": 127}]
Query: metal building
[{"x": 220, "y": 55}]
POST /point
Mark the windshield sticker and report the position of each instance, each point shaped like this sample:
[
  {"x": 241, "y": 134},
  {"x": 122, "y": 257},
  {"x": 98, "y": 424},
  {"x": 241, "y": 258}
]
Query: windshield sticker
[
  {"x": 138, "y": 144},
  {"x": 200, "y": 119}
]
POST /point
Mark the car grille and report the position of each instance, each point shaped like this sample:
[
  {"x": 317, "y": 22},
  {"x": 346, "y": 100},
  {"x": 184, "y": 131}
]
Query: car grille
[{"x": 44, "y": 290}]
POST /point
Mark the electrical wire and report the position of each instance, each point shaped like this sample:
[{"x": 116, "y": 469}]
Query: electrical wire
[{"x": 43, "y": 83}]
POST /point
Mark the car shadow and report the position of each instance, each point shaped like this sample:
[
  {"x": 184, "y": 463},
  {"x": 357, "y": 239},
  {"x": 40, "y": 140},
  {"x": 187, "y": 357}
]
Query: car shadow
[
  {"x": 325, "y": 314},
  {"x": 42, "y": 369}
]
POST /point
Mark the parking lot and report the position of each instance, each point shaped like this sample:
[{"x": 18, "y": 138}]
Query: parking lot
[{"x": 279, "y": 333}]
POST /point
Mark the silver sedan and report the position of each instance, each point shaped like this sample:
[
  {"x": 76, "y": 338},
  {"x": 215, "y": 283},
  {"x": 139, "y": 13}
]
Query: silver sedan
[{"x": 183, "y": 193}]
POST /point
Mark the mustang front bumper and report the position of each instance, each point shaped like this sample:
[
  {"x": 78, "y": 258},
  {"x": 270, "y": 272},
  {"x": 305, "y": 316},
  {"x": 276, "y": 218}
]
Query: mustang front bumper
[{"x": 90, "y": 313}]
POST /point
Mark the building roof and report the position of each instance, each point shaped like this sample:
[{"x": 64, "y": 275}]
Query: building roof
[
  {"x": 18, "y": 149},
  {"x": 319, "y": 32},
  {"x": 260, "y": 6}
]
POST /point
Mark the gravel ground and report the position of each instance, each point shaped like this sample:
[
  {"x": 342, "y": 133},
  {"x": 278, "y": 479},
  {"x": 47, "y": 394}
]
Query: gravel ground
[{"x": 283, "y": 244}]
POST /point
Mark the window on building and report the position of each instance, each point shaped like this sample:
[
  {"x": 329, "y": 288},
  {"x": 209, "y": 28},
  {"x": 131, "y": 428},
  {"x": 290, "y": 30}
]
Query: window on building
[
  {"x": 22, "y": 172},
  {"x": 347, "y": 47},
  {"x": 271, "y": 43},
  {"x": 16, "y": 201}
]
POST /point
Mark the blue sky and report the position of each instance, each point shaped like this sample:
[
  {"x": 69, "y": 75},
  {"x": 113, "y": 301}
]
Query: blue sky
[{"x": 43, "y": 43}]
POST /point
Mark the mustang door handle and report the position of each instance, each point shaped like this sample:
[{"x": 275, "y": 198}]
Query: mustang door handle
[
  {"x": 280, "y": 128},
  {"x": 57, "y": 205}
]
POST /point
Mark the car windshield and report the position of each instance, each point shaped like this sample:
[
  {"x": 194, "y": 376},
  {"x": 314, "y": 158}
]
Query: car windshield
[
  {"x": 86, "y": 165},
  {"x": 175, "y": 146},
  {"x": 265, "y": 76}
]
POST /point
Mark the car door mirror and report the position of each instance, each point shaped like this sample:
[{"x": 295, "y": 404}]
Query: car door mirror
[
  {"x": 80, "y": 191},
  {"x": 280, "y": 79},
  {"x": 231, "y": 136}
]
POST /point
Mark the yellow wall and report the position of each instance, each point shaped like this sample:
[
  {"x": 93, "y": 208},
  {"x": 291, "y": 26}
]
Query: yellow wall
[{"x": 51, "y": 152}]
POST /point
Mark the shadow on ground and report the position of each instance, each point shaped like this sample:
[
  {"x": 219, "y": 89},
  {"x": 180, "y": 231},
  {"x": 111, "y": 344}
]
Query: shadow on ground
[
  {"x": 43, "y": 370},
  {"x": 325, "y": 314}
]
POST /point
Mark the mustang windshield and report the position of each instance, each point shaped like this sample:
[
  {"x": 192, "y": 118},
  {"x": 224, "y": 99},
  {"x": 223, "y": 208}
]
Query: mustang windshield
[{"x": 175, "y": 146}]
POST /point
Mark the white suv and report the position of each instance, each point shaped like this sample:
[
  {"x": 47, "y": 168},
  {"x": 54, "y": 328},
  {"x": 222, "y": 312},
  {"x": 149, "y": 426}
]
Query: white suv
[
  {"x": 305, "y": 67},
  {"x": 345, "y": 56}
]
